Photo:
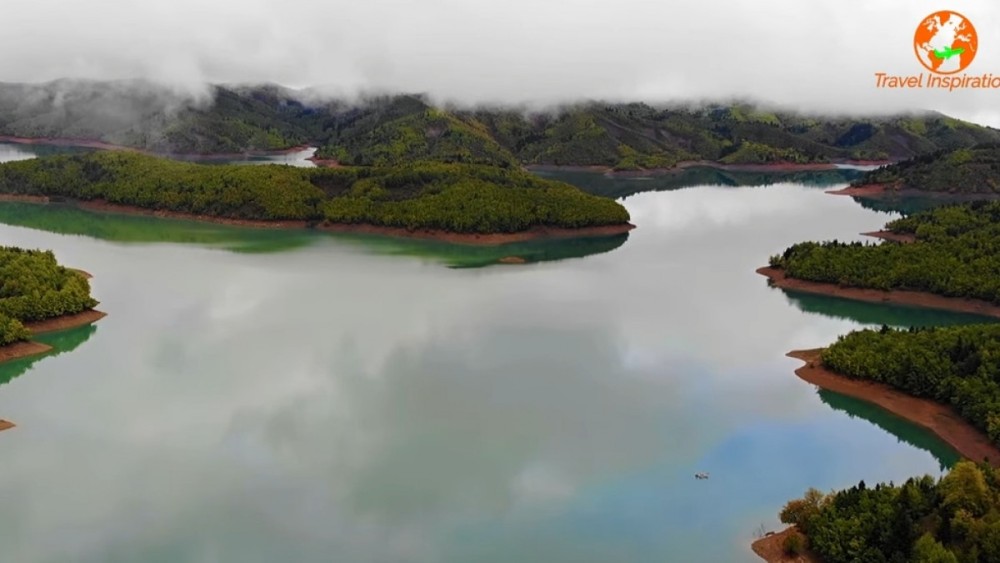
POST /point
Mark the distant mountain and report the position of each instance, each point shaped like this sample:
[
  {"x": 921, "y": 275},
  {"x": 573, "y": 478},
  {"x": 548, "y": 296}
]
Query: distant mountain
[
  {"x": 397, "y": 128},
  {"x": 152, "y": 117},
  {"x": 973, "y": 170}
]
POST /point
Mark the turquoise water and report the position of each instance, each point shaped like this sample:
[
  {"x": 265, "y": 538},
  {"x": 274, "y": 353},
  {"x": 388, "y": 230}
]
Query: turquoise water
[{"x": 325, "y": 400}]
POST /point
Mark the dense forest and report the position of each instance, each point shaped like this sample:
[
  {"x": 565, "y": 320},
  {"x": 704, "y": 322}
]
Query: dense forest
[
  {"x": 956, "y": 254},
  {"x": 954, "y": 365},
  {"x": 631, "y": 136},
  {"x": 34, "y": 287},
  {"x": 452, "y": 197},
  {"x": 955, "y": 519},
  {"x": 390, "y": 129},
  {"x": 974, "y": 170}
]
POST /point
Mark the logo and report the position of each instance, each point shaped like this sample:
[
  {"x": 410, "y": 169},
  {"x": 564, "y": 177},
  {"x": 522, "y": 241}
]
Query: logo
[{"x": 945, "y": 42}]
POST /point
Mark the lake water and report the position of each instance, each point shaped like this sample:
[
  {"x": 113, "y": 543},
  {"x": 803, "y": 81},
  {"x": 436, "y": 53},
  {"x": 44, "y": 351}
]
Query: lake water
[{"x": 261, "y": 396}]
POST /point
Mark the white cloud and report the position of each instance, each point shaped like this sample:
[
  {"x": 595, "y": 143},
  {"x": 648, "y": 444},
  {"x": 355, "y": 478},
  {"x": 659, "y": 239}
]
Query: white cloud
[{"x": 819, "y": 55}]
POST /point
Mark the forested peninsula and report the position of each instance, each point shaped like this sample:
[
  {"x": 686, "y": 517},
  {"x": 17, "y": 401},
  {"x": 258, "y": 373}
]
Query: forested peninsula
[
  {"x": 389, "y": 130},
  {"x": 953, "y": 262},
  {"x": 946, "y": 379},
  {"x": 460, "y": 202},
  {"x": 970, "y": 171},
  {"x": 37, "y": 295}
]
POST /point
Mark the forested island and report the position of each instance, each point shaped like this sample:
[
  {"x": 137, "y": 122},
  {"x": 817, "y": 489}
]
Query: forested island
[
  {"x": 37, "y": 294},
  {"x": 953, "y": 262},
  {"x": 968, "y": 171},
  {"x": 388, "y": 130},
  {"x": 474, "y": 203}
]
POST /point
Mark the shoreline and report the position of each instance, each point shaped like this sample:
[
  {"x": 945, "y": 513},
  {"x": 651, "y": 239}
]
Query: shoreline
[
  {"x": 324, "y": 162},
  {"x": 479, "y": 239},
  {"x": 938, "y": 418},
  {"x": 685, "y": 164},
  {"x": 896, "y": 296},
  {"x": 6, "y": 425},
  {"x": 867, "y": 190},
  {"x": 102, "y": 145},
  {"x": 771, "y": 548},
  {"x": 30, "y": 347},
  {"x": 896, "y": 190}
]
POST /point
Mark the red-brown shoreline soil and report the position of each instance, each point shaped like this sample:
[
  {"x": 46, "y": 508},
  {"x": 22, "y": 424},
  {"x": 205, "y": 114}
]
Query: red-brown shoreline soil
[
  {"x": 431, "y": 234},
  {"x": 936, "y": 417},
  {"x": 22, "y": 350},
  {"x": 897, "y": 191},
  {"x": 6, "y": 425},
  {"x": 101, "y": 145},
  {"x": 65, "y": 322},
  {"x": 900, "y": 297},
  {"x": 772, "y": 548},
  {"x": 866, "y": 190}
]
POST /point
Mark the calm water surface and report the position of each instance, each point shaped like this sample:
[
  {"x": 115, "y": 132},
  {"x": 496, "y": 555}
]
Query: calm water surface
[{"x": 326, "y": 400}]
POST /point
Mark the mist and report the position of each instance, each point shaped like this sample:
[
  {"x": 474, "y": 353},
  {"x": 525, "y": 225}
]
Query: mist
[{"x": 817, "y": 57}]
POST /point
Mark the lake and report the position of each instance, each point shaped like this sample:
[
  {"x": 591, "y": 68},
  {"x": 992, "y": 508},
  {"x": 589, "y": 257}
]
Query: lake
[{"x": 262, "y": 396}]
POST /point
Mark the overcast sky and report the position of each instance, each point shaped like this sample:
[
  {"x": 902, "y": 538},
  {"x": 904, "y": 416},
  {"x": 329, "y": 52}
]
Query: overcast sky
[{"x": 818, "y": 55}]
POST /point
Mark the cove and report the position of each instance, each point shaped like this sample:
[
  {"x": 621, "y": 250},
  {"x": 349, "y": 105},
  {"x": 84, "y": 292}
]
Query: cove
[{"x": 322, "y": 396}]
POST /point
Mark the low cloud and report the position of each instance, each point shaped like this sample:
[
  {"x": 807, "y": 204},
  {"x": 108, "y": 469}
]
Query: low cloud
[{"x": 814, "y": 56}]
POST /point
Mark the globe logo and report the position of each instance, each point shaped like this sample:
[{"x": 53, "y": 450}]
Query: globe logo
[{"x": 945, "y": 42}]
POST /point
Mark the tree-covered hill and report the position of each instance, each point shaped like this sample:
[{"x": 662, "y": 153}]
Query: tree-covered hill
[
  {"x": 460, "y": 198},
  {"x": 635, "y": 135},
  {"x": 957, "y": 365},
  {"x": 155, "y": 118},
  {"x": 388, "y": 129},
  {"x": 34, "y": 287},
  {"x": 956, "y": 254},
  {"x": 949, "y": 520},
  {"x": 406, "y": 129},
  {"x": 974, "y": 170}
]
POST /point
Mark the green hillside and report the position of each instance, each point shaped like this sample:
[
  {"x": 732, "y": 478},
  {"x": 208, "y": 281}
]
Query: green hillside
[
  {"x": 389, "y": 129},
  {"x": 956, "y": 254},
  {"x": 406, "y": 130},
  {"x": 973, "y": 170}
]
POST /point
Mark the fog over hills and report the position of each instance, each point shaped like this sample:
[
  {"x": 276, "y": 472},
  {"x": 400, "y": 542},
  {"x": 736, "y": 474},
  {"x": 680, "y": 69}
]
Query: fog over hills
[{"x": 816, "y": 56}]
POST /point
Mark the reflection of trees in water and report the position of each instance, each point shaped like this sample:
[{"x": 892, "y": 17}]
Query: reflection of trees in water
[
  {"x": 72, "y": 220},
  {"x": 618, "y": 186},
  {"x": 903, "y": 205},
  {"x": 903, "y": 430},
  {"x": 468, "y": 256},
  {"x": 115, "y": 227},
  {"x": 61, "y": 342},
  {"x": 879, "y": 313}
]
